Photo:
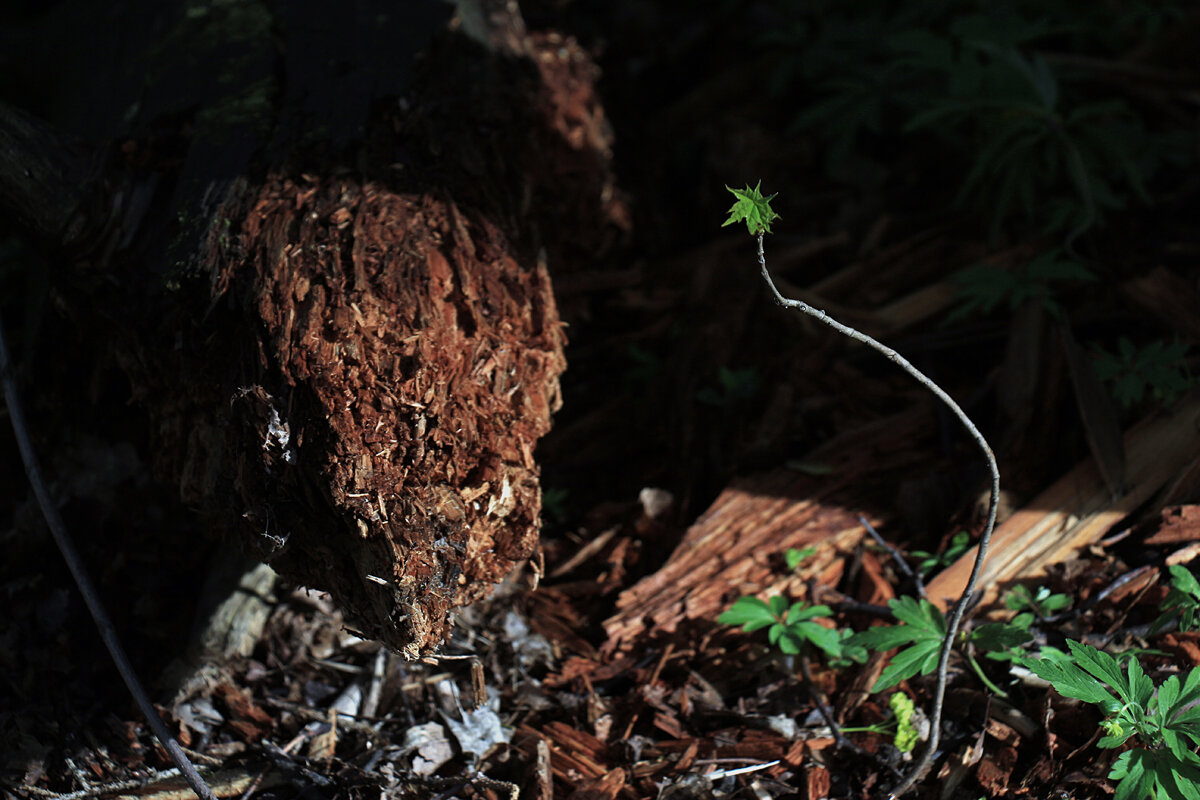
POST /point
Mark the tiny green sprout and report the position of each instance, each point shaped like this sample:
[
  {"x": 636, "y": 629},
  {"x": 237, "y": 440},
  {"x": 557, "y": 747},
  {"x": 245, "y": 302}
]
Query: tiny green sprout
[
  {"x": 907, "y": 734},
  {"x": 902, "y": 726},
  {"x": 752, "y": 207},
  {"x": 930, "y": 562},
  {"x": 1040, "y": 601},
  {"x": 795, "y": 558}
]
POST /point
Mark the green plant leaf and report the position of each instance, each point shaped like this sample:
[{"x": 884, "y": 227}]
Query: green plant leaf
[
  {"x": 922, "y": 614},
  {"x": 884, "y": 637},
  {"x": 752, "y": 208},
  {"x": 827, "y": 639},
  {"x": 1156, "y": 369},
  {"x": 749, "y": 612},
  {"x": 1134, "y": 781},
  {"x": 1071, "y": 681},
  {"x": 921, "y": 658},
  {"x": 1103, "y": 666},
  {"x": 922, "y": 627},
  {"x": 998, "y": 637},
  {"x": 794, "y": 558},
  {"x": 800, "y": 612}
]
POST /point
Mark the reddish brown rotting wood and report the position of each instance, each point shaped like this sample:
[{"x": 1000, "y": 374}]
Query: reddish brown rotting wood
[
  {"x": 374, "y": 430},
  {"x": 352, "y": 372},
  {"x": 727, "y": 552},
  {"x": 1176, "y": 525},
  {"x": 431, "y": 357}
]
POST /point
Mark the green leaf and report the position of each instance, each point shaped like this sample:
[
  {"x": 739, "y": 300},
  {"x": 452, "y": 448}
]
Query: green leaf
[
  {"x": 1000, "y": 636},
  {"x": 885, "y": 637},
  {"x": 795, "y": 558},
  {"x": 1071, "y": 681},
  {"x": 790, "y": 643},
  {"x": 750, "y": 612},
  {"x": 1135, "y": 783},
  {"x": 752, "y": 208},
  {"x": 1101, "y": 665},
  {"x": 1141, "y": 688},
  {"x": 921, "y": 658},
  {"x": 827, "y": 639},
  {"x": 799, "y": 612},
  {"x": 921, "y": 625},
  {"x": 922, "y": 615},
  {"x": 1157, "y": 368},
  {"x": 1184, "y": 581}
]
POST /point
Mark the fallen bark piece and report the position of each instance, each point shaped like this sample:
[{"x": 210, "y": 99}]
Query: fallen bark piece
[
  {"x": 1176, "y": 525},
  {"x": 1079, "y": 508},
  {"x": 729, "y": 551}
]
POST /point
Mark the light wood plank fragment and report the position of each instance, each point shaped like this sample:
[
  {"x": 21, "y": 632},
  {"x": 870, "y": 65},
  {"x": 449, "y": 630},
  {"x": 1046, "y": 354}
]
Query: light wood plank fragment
[{"x": 1079, "y": 508}]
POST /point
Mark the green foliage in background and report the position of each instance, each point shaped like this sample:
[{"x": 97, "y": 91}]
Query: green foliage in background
[
  {"x": 1041, "y": 601},
  {"x": 794, "y": 558},
  {"x": 1157, "y": 370},
  {"x": 982, "y": 287},
  {"x": 1042, "y": 141},
  {"x": 733, "y": 386},
  {"x": 921, "y": 629},
  {"x": 928, "y": 562}
]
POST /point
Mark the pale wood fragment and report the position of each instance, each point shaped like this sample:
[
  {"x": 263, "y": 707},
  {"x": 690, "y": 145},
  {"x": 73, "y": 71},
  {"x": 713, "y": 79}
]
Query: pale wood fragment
[{"x": 1079, "y": 508}]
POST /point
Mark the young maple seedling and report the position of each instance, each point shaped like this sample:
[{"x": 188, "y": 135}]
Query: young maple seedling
[{"x": 755, "y": 210}]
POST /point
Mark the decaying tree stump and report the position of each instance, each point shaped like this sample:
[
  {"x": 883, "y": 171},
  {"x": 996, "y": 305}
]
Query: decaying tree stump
[
  {"x": 355, "y": 368},
  {"x": 410, "y": 362}
]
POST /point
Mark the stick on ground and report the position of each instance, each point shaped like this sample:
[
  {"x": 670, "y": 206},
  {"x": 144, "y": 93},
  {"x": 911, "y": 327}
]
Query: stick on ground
[{"x": 66, "y": 546}]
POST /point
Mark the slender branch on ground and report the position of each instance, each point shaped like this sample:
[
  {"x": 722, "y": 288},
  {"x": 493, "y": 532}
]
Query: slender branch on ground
[
  {"x": 896, "y": 555},
  {"x": 66, "y": 546},
  {"x": 960, "y": 607}
]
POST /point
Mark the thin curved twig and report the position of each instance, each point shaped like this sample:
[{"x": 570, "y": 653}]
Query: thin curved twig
[
  {"x": 897, "y": 556},
  {"x": 83, "y": 580},
  {"x": 956, "y": 614}
]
